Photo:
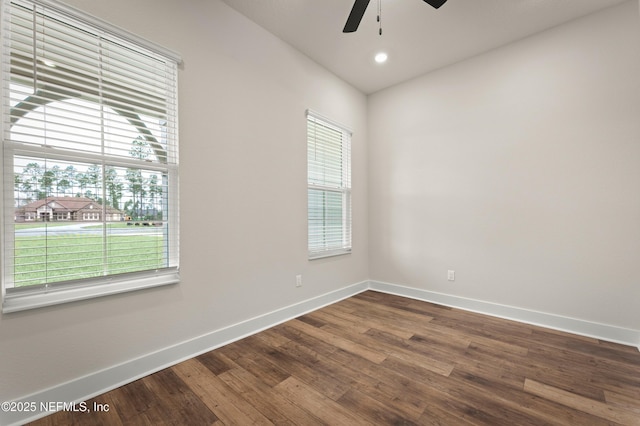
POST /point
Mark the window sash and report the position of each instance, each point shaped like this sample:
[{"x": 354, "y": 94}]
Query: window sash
[
  {"x": 329, "y": 187},
  {"x": 69, "y": 96}
]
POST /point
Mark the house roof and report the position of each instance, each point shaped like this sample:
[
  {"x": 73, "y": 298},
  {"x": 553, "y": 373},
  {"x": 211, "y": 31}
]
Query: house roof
[{"x": 71, "y": 204}]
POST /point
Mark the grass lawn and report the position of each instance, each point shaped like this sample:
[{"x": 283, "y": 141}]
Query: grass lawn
[{"x": 41, "y": 260}]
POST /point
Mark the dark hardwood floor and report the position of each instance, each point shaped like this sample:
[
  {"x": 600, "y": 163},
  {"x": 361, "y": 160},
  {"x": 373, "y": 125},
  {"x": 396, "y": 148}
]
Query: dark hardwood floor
[{"x": 381, "y": 359}]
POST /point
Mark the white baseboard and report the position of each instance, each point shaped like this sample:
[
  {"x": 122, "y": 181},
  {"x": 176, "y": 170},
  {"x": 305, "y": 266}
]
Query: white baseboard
[
  {"x": 97, "y": 383},
  {"x": 606, "y": 332}
]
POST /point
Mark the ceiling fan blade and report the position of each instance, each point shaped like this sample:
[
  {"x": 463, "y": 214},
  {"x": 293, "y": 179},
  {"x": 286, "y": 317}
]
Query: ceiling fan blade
[
  {"x": 355, "y": 16},
  {"x": 436, "y": 3}
]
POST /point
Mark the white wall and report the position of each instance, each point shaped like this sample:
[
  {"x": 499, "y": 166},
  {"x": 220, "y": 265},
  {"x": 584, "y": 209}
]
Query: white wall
[
  {"x": 243, "y": 95},
  {"x": 520, "y": 170}
]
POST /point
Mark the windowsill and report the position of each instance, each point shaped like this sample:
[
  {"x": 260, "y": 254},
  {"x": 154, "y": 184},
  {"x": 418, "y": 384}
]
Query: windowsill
[
  {"x": 332, "y": 253},
  {"x": 21, "y": 301}
]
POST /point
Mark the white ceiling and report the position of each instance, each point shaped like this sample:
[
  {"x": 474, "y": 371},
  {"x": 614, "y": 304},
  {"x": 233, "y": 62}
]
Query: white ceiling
[{"x": 417, "y": 37}]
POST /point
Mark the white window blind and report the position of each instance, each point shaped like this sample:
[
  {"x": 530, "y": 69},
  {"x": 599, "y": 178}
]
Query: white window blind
[
  {"x": 329, "y": 187},
  {"x": 90, "y": 158}
]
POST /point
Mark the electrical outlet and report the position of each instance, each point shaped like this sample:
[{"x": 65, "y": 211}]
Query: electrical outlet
[
  {"x": 298, "y": 280},
  {"x": 451, "y": 275}
]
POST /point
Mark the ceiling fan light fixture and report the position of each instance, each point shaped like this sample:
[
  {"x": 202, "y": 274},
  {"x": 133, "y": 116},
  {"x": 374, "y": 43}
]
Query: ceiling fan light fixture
[{"x": 381, "y": 57}]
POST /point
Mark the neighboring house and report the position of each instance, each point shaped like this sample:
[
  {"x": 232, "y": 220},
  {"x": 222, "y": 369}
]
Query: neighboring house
[{"x": 80, "y": 209}]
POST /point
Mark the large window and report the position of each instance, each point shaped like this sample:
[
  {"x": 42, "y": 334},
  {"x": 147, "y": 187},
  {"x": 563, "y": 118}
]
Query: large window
[
  {"x": 329, "y": 187},
  {"x": 89, "y": 155}
]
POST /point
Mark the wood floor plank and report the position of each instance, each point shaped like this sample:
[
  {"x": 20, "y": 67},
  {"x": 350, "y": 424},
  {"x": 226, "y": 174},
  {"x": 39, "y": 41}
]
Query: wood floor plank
[
  {"x": 391, "y": 346},
  {"x": 308, "y": 368},
  {"x": 266, "y": 400},
  {"x": 445, "y": 340},
  {"x": 562, "y": 370},
  {"x": 596, "y": 408},
  {"x": 515, "y": 347},
  {"x": 338, "y": 320},
  {"x": 223, "y": 401},
  {"x": 524, "y": 408},
  {"x": 374, "y": 411},
  {"x": 411, "y": 321},
  {"x": 216, "y": 362},
  {"x": 402, "y": 303},
  {"x": 623, "y": 401},
  {"x": 176, "y": 401},
  {"x": 132, "y": 402},
  {"x": 271, "y": 337},
  {"x": 101, "y": 412},
  {"x": 482, "y": 361},
  {"x": 122, "y": 402},
  {"x": 627, "y": 385},
  {"x": 247, "y": 356},
  {"x": 371, "y": 322},
  {"x": 370, "y": 353},
  {"x": 496, "y": 406},
  {"x": 383, "y": 359},
  {"x": 364, "y": 376},
  {"x": 314, "y": 402},
  {"x": 580, "y": 345},
  {"x": 410, "y": 392}
]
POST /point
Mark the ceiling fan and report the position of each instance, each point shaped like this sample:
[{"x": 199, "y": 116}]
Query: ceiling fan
[{"x": 359, "y": 7}]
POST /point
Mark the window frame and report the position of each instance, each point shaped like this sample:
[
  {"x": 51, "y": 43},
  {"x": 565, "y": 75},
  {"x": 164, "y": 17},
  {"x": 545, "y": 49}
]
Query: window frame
[
  {"x": 29, "y": 297},
  {"x": 343, "y": 189}
]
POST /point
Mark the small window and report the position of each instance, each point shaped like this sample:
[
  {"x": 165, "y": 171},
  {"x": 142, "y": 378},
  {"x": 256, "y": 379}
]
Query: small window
[
  {"x": 329, "y": 187},
  {"x": 89, "y": 147}
]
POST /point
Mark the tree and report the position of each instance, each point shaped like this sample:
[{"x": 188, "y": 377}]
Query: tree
[
  {"x": 46, "y": 183},
  {"x": 31, "y": 179},
  {"x": 140, "y": 148},
  {"x": 70, "y": 174},
  {"x": 155, "y": 193},
  {"x": 93, "y": 179},
  {"x": 113, "y": 187},
  {"x": 83, "y": 183},
  {"x": 62, "y": 184},
  {"x": 136, "y": 186},
  {"x": 17, "y": 185}
]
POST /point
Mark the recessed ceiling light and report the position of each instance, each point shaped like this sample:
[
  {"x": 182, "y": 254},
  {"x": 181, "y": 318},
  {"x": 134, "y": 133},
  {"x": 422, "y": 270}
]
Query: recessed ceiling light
[{"x": 381, "y": 58}]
